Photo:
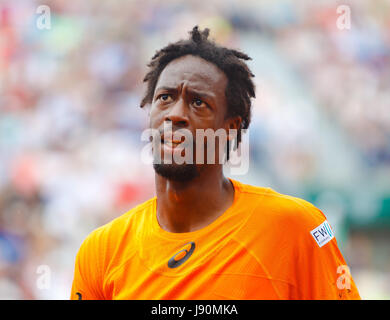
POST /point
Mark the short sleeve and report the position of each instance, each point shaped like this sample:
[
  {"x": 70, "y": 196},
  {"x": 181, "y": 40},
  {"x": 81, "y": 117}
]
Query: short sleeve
[
  {"x": 321, "y": 271},
  {"x": 87, "y": 272}
]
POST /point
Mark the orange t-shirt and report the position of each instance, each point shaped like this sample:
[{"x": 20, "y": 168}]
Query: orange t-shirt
[{"x": 265, "y": 246}]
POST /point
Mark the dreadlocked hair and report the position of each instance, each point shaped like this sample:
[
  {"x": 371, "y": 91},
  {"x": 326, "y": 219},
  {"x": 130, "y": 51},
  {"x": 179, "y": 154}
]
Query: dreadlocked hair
[{"x": 240, "y": 87}]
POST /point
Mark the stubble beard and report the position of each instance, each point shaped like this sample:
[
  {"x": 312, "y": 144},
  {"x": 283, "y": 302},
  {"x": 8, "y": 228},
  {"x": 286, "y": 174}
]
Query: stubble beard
[{"x": 176, "y": 172}]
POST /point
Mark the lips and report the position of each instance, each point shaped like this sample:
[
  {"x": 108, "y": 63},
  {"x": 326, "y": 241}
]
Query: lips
[{"x": 172, "y": 143}]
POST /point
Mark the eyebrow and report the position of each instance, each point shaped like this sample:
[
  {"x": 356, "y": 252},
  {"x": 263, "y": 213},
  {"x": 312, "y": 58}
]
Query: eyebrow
[{"x": 201, "y": 94}]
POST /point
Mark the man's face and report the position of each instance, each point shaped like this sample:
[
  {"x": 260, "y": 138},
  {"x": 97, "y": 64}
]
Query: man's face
[{"x": 190, "y": 94}]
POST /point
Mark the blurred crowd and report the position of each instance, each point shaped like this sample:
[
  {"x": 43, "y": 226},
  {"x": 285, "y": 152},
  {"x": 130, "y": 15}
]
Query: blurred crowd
[{"x": 70, "y": 122}]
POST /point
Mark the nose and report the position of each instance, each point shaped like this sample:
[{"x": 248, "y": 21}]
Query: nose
[{"x": 177, "y": 114}]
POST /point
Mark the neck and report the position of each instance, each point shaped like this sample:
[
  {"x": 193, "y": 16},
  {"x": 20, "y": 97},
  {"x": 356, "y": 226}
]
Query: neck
[{"x": 192, "y": 205}]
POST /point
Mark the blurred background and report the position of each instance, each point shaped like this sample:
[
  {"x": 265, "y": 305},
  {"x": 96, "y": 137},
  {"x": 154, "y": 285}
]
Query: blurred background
[{"x": 70, "y": 122}]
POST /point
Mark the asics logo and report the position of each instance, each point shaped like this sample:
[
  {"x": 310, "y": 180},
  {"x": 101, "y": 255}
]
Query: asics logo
[{"x": 182, "y": 256}]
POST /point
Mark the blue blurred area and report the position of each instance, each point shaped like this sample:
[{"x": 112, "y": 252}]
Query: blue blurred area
[
  {"x": 70, "y": 122},
  {"x": 10, "y": 250}
]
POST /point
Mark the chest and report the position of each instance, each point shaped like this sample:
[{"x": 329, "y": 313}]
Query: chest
[{"x": 195, "y": 272}]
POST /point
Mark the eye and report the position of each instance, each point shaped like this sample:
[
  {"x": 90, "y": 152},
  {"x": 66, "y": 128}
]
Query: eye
[
  {"x": 199, "y": 103},
  {"x": 165, "y": 97}
]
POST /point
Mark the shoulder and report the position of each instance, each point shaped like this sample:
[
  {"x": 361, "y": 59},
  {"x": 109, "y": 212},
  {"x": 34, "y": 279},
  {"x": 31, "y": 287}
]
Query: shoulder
[
  {"x": 99, "y": 248},
  {"x": 105, "y": 237},
  {"x": 287, "y": 212},
  {"x": 280, "y": 222},
  {"x": 294, "y": 210}
]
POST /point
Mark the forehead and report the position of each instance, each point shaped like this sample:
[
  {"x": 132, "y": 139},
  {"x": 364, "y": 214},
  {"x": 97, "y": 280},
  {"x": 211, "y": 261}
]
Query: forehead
[{"x": 195, "y": 73}]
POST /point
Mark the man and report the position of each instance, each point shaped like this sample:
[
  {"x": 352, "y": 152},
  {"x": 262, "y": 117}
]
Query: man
[{"x": 205, "y": 236}]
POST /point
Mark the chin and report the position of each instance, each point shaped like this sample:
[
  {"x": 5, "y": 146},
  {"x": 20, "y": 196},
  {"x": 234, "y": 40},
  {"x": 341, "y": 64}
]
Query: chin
[{"x": 175, "y": 172}]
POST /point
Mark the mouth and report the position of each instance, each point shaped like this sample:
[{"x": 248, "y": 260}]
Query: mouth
[{"x": 172, "y": 143}]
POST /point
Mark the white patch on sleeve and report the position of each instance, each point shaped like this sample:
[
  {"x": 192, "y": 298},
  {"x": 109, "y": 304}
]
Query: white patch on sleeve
[{"x": 322, "y": 234}]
